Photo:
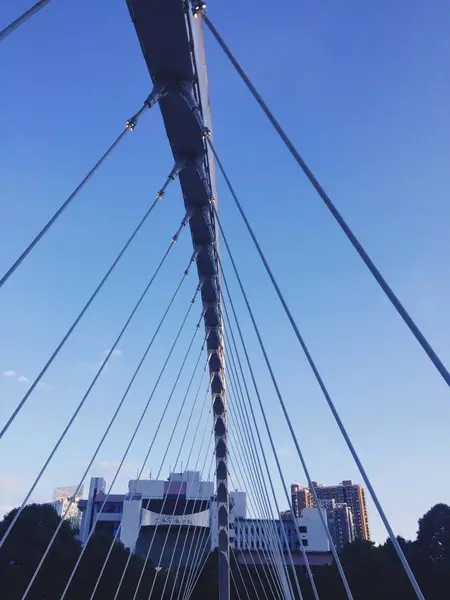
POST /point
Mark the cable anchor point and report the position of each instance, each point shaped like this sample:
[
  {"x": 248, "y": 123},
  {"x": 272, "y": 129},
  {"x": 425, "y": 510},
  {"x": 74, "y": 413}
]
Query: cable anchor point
[
  {"x": 199, "y": 287},
  {"x": 200, "y": 168},
  {"x": 197, "y": 8},
  {"x": 131, "y": 123},
  {"x": 191, "y": 262},
  {"x": 184, "y": 222},
  {"x": 159, "y": 90},
  {"x": 187, "y": 93},
  {"x": 177, "y": 168}
]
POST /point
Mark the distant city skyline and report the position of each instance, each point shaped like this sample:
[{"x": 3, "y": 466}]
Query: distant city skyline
[{"x": 345, "y": 504}]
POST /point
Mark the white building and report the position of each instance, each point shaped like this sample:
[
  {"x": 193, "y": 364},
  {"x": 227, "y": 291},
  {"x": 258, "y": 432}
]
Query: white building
[
  {"x": 177, "y": 507},
  {"x": 253, "y": 538},
  {"x": 172, "y": 514}
]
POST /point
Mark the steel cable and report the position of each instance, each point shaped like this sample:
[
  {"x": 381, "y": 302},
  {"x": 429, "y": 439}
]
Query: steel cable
[
  {"x": 86, "y": 395},
  {"x": 152, "y": 442}
]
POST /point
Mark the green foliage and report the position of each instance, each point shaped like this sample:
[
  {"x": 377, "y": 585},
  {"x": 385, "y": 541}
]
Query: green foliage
[{"x": 433, "y": 537}]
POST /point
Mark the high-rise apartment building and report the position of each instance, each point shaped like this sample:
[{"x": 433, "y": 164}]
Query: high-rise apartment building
[
  {"x": 340, "y": 522},
  {"x": 346, "y": 496},
  {"x": 301, "y": 498},
  {"x": 353, "y": 495}
]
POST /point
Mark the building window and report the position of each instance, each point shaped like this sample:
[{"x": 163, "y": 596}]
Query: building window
[
  {"x": 110, "y": 508},
  {"x": 303, "y": 529},
  {"x": 305, "y": 542}
]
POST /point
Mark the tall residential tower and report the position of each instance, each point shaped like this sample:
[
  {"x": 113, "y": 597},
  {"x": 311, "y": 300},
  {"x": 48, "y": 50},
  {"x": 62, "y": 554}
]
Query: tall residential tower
[
  {"x": 353, "y": 495},
  {"x": 346, "y": 508}
]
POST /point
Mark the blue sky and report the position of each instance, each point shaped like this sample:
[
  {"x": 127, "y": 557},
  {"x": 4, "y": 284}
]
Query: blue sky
[{"x": 363, "y": 91}]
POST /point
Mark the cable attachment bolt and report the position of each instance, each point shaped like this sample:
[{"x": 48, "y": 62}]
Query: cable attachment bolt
[
  {"x": 197, "y": 8},
  {"x": 159, "y": 90},
  {"x": 187, "y": 217},
  {"x": 176, "y": 236},
  {"x": 187, "y": 93},
  {"x": 199, "y": 287},
  {"x": 177, "y": 168},
  {"x": 131, "y": 123},
  {"x": 191, "y": 262},
  {"x": 184, "y": 222},
  {"x": 201, "y": 171}
]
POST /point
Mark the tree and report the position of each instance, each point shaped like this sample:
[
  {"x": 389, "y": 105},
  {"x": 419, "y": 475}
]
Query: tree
[
  {"x": 27, "y": 542},
  {"x": 433, "y": 537},
  {"x": 374, "y": 572},
  {"x": 24, "y": 548}
]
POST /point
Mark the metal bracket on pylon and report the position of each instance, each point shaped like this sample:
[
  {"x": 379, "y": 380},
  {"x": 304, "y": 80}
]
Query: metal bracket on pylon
[
  {"x": 197, "y": 7},
  {"x": 177, "y": 168},
  {"x": 187, "y": 93}
]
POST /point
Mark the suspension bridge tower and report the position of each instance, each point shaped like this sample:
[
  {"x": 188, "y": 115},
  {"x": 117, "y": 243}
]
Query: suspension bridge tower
[{"x": 171, "y": 40}]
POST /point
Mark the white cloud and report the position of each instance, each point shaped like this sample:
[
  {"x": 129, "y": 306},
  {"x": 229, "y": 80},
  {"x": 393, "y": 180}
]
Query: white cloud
[
  {"x": 9, "y": 373},
  {"x": 14, "y": 375},
  {"x": 115, "y": 352},
  {"x": 97, "y": 364},
  {"x": 23, "y": 379}
]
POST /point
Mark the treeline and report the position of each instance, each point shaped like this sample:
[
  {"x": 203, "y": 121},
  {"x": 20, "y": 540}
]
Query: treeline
[
  {"x": 373, "y": 572},
  {"x": 27, "y": 542}
]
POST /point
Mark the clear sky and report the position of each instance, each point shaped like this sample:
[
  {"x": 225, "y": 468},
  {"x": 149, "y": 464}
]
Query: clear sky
[{"x": 363, "y": 90}]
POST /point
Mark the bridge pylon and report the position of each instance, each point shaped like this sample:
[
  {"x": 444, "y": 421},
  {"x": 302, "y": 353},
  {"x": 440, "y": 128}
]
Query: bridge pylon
[{"x": 171, "y": 40}]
